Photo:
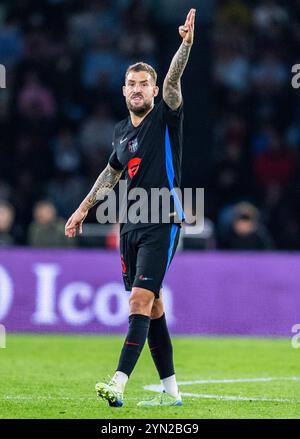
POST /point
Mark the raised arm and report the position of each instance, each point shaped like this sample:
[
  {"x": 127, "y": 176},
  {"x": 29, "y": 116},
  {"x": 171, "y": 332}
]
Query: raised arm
[
  {"x": 106, "y": 181},
  {"x": 172, "y": 87}
]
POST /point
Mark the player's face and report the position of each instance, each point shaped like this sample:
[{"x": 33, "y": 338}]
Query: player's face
[{"x": 139, "y": 91}]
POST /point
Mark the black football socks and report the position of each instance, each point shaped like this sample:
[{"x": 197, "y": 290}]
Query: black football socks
[
  {"x": 134, "y": 342},
  {"x": 161, "y": 347}
]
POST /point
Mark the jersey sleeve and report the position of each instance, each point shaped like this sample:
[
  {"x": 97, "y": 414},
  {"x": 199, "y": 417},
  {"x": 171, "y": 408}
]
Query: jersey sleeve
[
  {"x": 113, "y": 159},
  {"x": 172, "y": 117},
  {"x": 114, "y": 162}
]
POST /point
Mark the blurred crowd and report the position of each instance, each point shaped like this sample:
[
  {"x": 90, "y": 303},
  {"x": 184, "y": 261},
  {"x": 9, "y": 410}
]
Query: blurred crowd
[
  {"x": 257, "y": 121},
  {"x": 65, "y": 64}
]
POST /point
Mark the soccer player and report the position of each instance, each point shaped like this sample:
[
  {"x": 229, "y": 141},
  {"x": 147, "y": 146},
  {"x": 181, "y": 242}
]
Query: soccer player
[{"x": 147, "y": 147}]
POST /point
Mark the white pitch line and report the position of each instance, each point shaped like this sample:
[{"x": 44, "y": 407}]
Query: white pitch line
[
  {"x": 239, "y": 398},
  {"x": 158, "y": 388},
  {"x": 240, "y": 380}
]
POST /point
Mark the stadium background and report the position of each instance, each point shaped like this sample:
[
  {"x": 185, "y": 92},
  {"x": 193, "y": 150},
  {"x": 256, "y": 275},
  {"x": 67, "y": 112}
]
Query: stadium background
[{"x": 65, "y": 63}]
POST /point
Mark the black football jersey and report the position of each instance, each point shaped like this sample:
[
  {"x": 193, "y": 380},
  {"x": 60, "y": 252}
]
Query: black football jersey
[{"x": 150, "y": 156}]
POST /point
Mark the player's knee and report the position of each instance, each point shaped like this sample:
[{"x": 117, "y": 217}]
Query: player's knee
[
  {"x": 140, "y": 303},
  {"x": 139, "y": 306}
]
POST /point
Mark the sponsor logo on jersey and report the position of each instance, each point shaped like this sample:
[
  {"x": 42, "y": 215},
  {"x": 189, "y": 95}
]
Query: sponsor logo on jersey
[{"x": 133, "y": 166}]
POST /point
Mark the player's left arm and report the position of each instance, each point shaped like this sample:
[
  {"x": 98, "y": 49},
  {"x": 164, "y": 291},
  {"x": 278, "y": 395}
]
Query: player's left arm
[{"x": 172, "y": 87}]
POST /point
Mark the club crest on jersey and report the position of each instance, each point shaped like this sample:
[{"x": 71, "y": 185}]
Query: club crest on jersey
[
  {"x": 133, "y": 166},
  {"x": 133, "y": 145}
]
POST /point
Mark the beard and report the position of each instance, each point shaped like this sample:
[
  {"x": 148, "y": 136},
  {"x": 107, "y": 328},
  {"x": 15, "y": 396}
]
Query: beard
[{"x": 139, "y": 111}]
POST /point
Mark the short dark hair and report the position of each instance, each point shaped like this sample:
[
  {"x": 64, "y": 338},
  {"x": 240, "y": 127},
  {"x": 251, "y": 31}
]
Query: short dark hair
[{"x": 142, "y": 67}]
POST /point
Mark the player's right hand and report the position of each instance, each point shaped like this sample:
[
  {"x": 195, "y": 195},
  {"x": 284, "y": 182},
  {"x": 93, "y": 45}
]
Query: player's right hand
[
  {"x": 74, "y": 223},
  {"x": 187, "y": 30}
]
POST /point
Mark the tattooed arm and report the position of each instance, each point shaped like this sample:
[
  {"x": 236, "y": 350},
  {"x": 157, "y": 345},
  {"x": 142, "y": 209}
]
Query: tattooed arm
[
  {"x": 106, "y": 181},
  {"x": 171, "y": 87}
]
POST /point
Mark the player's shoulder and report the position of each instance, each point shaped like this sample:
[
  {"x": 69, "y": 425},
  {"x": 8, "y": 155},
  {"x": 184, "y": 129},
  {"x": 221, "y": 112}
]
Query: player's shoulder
[
  {"x": 158, "y": 109},
  {"x": 121, "y": 125},
  {"x": 172, "y": 117}
]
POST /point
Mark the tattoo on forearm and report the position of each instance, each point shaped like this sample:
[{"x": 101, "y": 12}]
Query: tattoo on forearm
[
  {"x": 178, "y": 64},
  {"x": 171, "y": 88},
  {"x": 106, "y": 181}
]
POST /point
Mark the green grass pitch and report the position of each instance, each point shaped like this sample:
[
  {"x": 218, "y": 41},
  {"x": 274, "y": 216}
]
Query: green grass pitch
[{"x": 53, "y": 376}]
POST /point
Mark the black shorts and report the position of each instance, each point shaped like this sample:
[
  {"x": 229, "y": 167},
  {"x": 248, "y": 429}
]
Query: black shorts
[{"x": 146, "y": 254}]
